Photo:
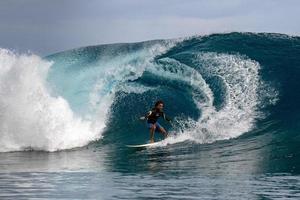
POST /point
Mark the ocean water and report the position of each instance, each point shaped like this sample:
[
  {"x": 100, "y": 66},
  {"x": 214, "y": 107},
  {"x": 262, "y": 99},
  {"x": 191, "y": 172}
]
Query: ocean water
[{"x": 65, "y": 120}]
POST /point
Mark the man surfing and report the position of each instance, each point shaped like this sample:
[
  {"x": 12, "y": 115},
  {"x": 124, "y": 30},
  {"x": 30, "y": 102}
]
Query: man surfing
[{"x": 152, "y": 117}]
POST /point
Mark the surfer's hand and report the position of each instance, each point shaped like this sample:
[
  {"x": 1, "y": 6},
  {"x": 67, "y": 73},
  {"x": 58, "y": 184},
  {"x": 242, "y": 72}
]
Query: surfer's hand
[{"x": 142, "y": 118}]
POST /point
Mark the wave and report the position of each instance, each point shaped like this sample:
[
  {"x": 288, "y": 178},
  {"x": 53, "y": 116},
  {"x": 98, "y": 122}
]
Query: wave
[
  {"x": 215, "y": 87},
  {"x": 32, "y": 118}
]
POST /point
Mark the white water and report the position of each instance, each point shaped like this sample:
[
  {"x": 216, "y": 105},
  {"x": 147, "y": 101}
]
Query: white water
[
  {"x": 240, "y": 110},
  {"x": 30, "y": 118}
]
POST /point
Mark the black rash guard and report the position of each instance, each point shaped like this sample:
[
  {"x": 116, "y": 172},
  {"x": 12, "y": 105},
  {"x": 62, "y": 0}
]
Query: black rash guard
[{"x": 153, "y": 115}]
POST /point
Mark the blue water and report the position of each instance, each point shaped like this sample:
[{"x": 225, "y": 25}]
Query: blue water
[{"x": 233, "y": 99}]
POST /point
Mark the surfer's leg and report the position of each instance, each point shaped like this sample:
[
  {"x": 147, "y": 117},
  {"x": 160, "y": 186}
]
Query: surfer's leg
[
  {"x": 152, "y": 128},
  {"x": 162, "y": 130}
]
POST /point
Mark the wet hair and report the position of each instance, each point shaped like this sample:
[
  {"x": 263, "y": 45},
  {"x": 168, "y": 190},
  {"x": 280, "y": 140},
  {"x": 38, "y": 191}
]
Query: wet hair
[{"x": 158, "y": 102}]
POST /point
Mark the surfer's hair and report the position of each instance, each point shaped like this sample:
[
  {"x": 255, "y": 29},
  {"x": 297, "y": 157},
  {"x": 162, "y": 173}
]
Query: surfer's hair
[{"x": 159, "y": 102}]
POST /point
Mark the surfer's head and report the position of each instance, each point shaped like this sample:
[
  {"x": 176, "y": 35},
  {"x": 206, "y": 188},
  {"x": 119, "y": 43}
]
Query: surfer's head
[{"x": 159, "y": 105}]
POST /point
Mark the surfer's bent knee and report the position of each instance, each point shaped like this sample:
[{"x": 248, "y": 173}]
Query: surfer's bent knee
[{"x": 152, "y": 127}]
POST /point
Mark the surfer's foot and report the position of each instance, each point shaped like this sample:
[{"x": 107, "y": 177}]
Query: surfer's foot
[
  {"x": 151, "y": 140},
  {"x": 166, "y": 135}
]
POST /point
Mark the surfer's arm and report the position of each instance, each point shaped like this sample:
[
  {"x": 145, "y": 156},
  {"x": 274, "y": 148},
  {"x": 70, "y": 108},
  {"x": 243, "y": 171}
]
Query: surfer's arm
[
  {"x": 166, "y": 118},
  {"x": 146, "y": 116}
]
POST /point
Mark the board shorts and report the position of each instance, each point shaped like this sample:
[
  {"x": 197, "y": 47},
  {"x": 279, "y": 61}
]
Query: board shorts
[{"x": 158, "y": 126}]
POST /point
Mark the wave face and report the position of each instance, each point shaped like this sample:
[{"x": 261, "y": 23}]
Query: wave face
[{"x": 215, "y": 87}]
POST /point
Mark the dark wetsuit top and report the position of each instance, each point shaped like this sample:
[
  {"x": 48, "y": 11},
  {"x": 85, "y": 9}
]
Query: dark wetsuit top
[{"x": 153, "y": 115}]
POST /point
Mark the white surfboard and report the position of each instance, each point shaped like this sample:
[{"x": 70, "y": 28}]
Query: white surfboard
[{"x": 144, "y": 145}]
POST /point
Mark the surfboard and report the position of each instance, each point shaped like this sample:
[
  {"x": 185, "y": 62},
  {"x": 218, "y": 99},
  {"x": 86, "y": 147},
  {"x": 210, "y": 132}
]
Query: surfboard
[{"x": 143, "y": 145}]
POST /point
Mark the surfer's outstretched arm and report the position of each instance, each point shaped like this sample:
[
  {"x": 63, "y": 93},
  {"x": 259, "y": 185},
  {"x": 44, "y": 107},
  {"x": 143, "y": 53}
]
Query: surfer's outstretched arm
[{"x": 146, "y": 116}]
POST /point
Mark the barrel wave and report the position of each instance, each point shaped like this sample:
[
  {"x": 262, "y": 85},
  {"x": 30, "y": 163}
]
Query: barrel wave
[{"x": 215, "y": 87}]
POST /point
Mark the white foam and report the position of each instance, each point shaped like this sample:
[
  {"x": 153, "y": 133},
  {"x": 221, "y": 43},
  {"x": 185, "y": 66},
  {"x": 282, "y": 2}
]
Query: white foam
[
  {"x": 30, "y": 118},
  {"x": 239, "y": 112},
  {"x": 242, "y": 83}
]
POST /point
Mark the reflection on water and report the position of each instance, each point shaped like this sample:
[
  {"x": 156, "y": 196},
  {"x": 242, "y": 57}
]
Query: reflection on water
[
  {"x": 254, "y": 167},
  {"x": 81, "y": 159},
  {"x": 103, "y": 185}
]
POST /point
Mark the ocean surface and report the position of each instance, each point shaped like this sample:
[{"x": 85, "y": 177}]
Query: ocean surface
[{"x": 65, "y": 120}]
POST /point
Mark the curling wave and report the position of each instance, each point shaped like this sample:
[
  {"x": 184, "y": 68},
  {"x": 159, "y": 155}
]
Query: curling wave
[{"x": 215, "y": 87}]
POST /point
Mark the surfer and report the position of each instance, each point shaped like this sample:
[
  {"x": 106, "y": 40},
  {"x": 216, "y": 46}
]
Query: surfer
[{"x": 152, "y": 117}]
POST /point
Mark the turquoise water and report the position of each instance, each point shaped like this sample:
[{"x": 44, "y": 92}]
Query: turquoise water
[{"x": 235, "y": 132}]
